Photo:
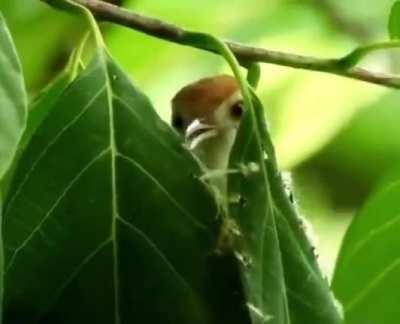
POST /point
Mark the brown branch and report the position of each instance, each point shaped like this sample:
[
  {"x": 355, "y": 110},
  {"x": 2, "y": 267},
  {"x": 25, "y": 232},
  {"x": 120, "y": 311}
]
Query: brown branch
[{"x": 172, "y": 33}]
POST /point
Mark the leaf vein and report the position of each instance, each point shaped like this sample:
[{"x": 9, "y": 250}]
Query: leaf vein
[
  {"x": 135, "y": 114},
  {"x": 47, "y": 148},
  {"x": 75, "y": 273},
  {"x": 157, "y": 250},
  {"x": 37, "y": 229},
  {"x": 371, "y": 234},
  {"x": 162, "y": 189},
  {"x": 372, "y": 283}
]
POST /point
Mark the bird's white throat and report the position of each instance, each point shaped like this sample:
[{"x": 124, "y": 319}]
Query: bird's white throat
[
  {"x": 213, "y": 154},
  {"x": 214, "y": 149}
]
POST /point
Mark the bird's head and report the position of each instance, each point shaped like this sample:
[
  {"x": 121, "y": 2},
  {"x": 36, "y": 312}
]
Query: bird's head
[{"x": 208, "y": 113}]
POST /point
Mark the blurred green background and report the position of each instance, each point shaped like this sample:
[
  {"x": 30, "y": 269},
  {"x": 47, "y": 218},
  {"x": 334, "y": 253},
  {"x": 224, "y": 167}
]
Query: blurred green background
[{"x": 337, "y": 136}]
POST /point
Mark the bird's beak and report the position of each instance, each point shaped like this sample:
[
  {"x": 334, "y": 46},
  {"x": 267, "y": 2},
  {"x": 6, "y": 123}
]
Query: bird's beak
[{"x": 197, "y": 132}]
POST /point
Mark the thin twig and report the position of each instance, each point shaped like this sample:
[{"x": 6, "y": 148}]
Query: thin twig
[{"x": 172, "y": 33}]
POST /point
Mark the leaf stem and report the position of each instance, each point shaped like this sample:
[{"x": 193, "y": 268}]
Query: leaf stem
[
  {"x": 253, "y": 74},
  {"x": 359, "y": 53},
  {"x": 91, "y": 21},
  {"x": 81, "y": 8},
  {"x": 75, "y": 59}
]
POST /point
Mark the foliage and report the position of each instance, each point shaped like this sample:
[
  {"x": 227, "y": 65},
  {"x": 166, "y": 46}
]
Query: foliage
[
  {"x": 114, "y": 208},
  {"x": 99, "y": 226},
  {"x": 133, "y": 205},
  {"x": 13, "y": 112},
  {"x": 12, "y": 116},
  {"x": 367, "y": 270}
]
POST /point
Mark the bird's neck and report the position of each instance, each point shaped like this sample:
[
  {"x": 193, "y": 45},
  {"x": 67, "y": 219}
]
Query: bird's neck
[{"x": 214, "y": 154}]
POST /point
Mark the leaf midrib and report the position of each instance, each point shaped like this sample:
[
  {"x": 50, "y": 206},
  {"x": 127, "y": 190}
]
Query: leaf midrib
[
  {"x": 115, "y": 213},
  {"x": 264, "y": 223}
]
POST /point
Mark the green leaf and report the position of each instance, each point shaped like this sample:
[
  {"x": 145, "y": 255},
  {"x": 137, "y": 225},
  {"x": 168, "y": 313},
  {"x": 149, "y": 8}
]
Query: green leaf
[
  {"x": 37, "y": 113},
  {"x": 368, "y": 268},
  {"x": 106, "y": 221},
  {"x": 1, "y": 262},
  {"x": 13, "y": 112},
  {"x": 282, "y": 281},
  {"x": 40, "y": 108},
  {"x": 258, "y": 251},
  {"x": 394, "y": 21},
  {"x": 12, "y": 116},
  {"x": 43, "y": 105}
]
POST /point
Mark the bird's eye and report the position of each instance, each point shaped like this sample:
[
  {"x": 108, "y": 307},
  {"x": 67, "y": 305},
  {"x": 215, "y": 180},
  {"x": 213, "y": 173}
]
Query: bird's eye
[
  {"x": 237, "y": 109},
  {"x": 177, "y": 122}
]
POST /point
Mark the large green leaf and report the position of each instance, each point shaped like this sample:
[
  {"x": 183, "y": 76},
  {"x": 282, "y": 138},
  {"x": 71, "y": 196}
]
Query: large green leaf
[
  {"x": 106, "y": 221},
  {"x": 367, "y": 272},
  {"x": 37, "y": 113},
  {"x": 12, "y": 115},
  {"x": 13, "y": 110},
  {"x": 282, "y": 281},
  {"x": 44, "y": 104},
  {"x": 1, "y": 264},
  {"x": 259, "y": 253},
  {"x": 40, "y": 107}
]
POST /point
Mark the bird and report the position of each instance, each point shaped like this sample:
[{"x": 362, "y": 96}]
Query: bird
[{"x": 207, "y": 113}]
